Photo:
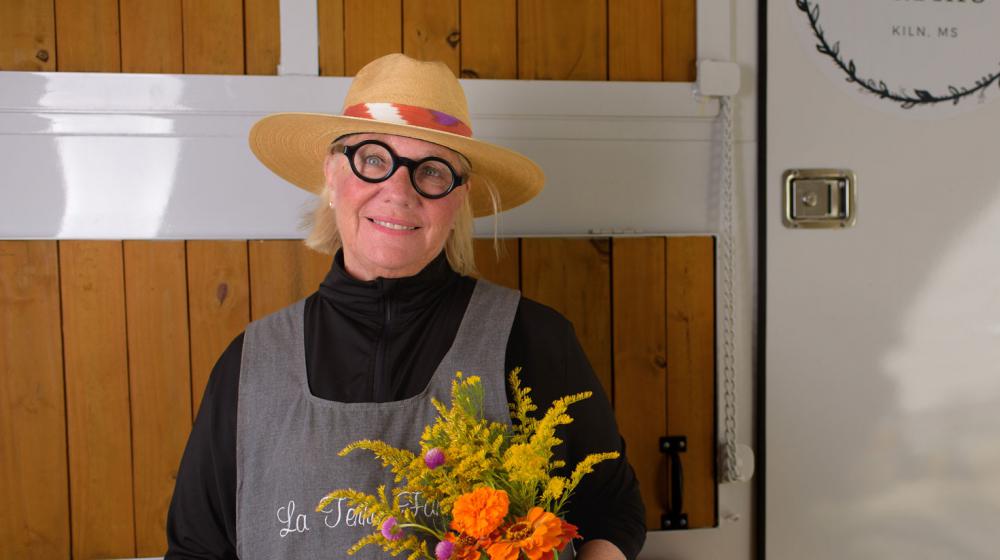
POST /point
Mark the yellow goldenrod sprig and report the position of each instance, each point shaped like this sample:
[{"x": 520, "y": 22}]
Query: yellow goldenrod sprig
[
  {"x": 462, "y": 451},
  {"x": 583, "y": 468},
  {"x": 521, "y": 408},
  {"x": 397, "y": 459}
]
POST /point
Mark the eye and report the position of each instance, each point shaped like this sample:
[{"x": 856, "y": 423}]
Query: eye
[
  {"x": 435, "y": 170},
  {"x": 372, "y": 161}
]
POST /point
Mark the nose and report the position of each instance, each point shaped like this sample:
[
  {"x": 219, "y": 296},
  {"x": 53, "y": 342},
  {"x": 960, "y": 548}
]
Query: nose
[{"x": 399, "y": 185}]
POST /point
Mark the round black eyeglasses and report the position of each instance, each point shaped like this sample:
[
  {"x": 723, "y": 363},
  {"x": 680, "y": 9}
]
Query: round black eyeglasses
[{"x": 373, "y": 162}]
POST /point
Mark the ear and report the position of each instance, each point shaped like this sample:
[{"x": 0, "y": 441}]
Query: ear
[
  {"x": 329, "y": 173},
  {"x": 328, "y": 168}
]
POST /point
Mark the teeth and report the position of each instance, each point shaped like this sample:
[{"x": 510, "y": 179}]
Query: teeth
[{"x": 391, "y": 226}]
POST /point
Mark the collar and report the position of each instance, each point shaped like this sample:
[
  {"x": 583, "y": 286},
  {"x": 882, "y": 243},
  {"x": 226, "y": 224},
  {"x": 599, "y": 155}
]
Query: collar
[{"x": 368, "y": 300}]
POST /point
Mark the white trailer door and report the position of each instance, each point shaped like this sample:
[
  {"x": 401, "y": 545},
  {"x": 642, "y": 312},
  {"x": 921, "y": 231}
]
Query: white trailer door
[{"x": 882, "y": 340}]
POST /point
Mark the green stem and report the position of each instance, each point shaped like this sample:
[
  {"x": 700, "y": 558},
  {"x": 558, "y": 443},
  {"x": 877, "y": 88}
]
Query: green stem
[{"x": 424, "y": 528}]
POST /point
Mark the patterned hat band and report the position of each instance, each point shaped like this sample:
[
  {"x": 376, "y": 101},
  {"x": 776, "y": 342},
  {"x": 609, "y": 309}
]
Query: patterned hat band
[{"x": 409, "y": 115}]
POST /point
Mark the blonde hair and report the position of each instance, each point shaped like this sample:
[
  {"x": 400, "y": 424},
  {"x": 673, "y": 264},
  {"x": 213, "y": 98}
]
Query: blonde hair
[{"x": 324, "y": 236}]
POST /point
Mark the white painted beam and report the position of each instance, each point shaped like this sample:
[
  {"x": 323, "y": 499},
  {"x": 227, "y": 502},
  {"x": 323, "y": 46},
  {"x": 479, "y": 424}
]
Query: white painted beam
[
  {"x": 165, "y": 156},
  {"x": 299, "y": 38},
  {"x": 714, "y": 30}
]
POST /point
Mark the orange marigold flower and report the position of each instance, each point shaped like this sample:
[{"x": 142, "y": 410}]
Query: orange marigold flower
[
  {"x": 538, "y": 535},
  {"x": 480, "y": 512},
  {"x": 466, "y": 547}
]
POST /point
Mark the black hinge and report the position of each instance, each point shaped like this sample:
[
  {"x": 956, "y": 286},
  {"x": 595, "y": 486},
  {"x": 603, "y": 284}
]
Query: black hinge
[{"x": 675, "y": 519}]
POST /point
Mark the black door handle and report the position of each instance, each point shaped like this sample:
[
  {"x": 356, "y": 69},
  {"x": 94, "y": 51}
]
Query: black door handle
[{"x": 675, "y": 518}]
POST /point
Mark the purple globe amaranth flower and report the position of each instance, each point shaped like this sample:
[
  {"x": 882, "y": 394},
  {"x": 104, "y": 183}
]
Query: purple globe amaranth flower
[
  {"x": 388, "y": 531},
  {"x": 443, "y": 550},
  {"x": 434, "y": 458}
]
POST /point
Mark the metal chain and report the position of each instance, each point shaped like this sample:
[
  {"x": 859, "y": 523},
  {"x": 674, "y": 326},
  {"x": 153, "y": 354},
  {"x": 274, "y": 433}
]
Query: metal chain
[{"x": 727, "y": 243}]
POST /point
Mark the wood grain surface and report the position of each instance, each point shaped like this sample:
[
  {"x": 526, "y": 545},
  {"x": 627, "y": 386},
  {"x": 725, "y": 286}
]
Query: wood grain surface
[
  {"x": 213, "y": 37},
  {"x": 691, "y": 369},
  {"x": 372, "y": 28},
  {"x": 489, "y": 39},
  {"x": 262, "y": 36},
  {"x": 573, "y": 276},
  {"x": 430, "y": 31},
  {"x": 152, "y": 36},
  {"x": 87, "y": 36},
  {"x": 97, "y": 399},
  {"x": 679, "y": 40},
  {"x": 218, "y": 286},
  {"x": 282, "y": 272},
  {"x": 634, "y": 49},
  {"x": 331, "y": 37},
  {"x": 159, "y": 380},
  {"x": 28, "y": 36},
  {"x": 33, "y": 462},
  {"x": 562, "y": 39},
  {"x": 640, "y": 364},
  {"x": 503, "y": 269}
]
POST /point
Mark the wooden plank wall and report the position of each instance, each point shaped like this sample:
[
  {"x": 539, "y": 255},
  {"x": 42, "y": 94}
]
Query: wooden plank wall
[
  {"x": 106, "y": 346},
  {"x": 528, "y": 39}
]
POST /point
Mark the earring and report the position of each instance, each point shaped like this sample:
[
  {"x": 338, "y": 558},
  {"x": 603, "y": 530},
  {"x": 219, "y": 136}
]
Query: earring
[{"x": 331, "y": 204}]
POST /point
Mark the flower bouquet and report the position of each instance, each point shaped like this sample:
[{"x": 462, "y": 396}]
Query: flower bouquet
[{"x": 494, "y": 485}]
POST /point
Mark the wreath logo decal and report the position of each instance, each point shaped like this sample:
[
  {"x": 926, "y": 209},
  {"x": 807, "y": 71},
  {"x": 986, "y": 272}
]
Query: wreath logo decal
[{"x": 906, "y": 99}]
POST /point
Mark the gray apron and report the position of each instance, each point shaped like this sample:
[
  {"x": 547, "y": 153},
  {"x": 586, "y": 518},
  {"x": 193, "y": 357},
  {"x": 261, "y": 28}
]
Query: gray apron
[{"x": 287, "y": 439}]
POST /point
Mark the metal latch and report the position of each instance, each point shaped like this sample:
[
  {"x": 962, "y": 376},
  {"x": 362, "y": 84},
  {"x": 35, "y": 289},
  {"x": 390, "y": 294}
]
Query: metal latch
[{"x": 819, "y": 198}]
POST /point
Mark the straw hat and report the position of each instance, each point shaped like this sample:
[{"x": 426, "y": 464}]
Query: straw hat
[{"x": 396, "y": 94}]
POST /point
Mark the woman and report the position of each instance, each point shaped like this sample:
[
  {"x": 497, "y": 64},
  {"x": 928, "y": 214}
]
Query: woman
[{"x": 399, "y": 179}]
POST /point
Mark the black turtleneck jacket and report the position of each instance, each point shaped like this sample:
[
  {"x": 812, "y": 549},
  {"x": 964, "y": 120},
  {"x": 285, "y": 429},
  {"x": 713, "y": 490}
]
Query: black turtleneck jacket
[{"x": 381, "y": 341}]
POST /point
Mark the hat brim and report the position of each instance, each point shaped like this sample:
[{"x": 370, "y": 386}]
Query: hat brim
[{"x": 294, "y": 145}]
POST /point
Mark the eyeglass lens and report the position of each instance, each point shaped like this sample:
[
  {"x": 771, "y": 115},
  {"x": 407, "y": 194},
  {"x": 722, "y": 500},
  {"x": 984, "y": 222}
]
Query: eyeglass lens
[{"x": 431, "y": 177}]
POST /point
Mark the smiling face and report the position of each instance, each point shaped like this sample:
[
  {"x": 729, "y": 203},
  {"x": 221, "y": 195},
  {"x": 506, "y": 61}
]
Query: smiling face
[{"x": 387, "y": 229}]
